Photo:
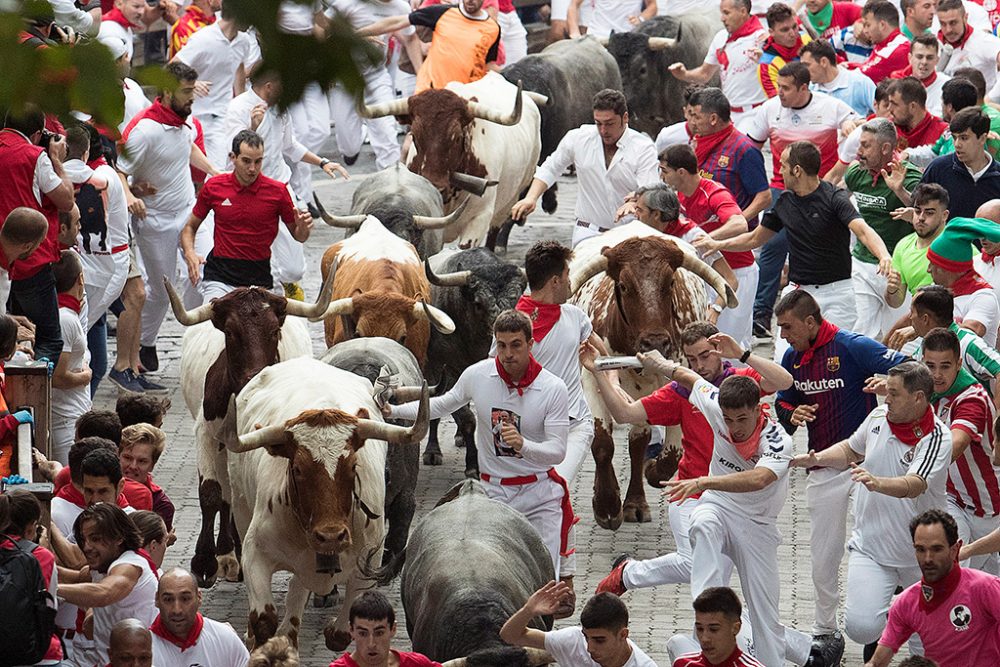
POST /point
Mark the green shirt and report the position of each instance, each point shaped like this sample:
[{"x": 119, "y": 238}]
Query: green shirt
[
  {"x": 911, "y": 262},
  {"x": 977, "y": 356},
  {"x": 909, "y": 35},
  {"x": 945, "y": 144},
  {"x": 875, "y": 203}
]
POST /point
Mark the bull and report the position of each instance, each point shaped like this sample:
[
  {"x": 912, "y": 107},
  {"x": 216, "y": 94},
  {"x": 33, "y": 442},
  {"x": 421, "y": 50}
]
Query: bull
[
  {"x": 655, "y": 96},
  {"x": 473, "y": 287},
  {"x": 456, "y": 606},
  {"x": 370, "y": 358},
  {"x": 308, "y": 476},
  {"x": 379, "y": 290},
  {"x": 640, "y": 288},
  {"x": 406, "y": 204},
  {"x": 482, "y": 129},
  {"x": 228, "y": 341}
]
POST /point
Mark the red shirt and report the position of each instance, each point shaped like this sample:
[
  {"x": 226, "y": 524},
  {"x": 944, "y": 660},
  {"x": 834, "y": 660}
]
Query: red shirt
[
  {"x": 737, "y": 659},
  {"x": 246, "y": 218},
  {"x": 405, "y": 660},
  {"x": 924, "y": 133},
  {"x": 667, "y": 407},
  {"x": 889, "y": 55},
  {"x": 139, "y": 497},
  {"x": 709, "y": 207},
  {"x": 18, "y": 159}
]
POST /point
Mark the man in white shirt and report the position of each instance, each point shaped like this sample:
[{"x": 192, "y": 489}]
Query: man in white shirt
[
  {"x": 68, "y": 14},
  {"x": 522, "y": 424},
  {"x": 925, "y": 54},
  {"x": 121, "y": 22},
  {"x": 963, "y": 46},
  {"x": 611, "y": 161},
  {"x": 734, "y": 55},
  {"x": 905, "y": 450},
  {"x": 601, "y": 639},
  {"x": 182, "y": 636},
  {"x": 741, "y": 498},
  {"x": 610, "y": 16},
  {"x": 71, "y": 375},
  {"x": 223, "y": 55}
]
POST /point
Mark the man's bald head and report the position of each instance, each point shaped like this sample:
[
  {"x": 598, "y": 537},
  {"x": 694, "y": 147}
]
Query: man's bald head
[
  {"x": 24, "y": 225},
  {"x": 990, "y": 210},
  {"x": 178, "y": 579},
  {"x": 131, "y": 644}
]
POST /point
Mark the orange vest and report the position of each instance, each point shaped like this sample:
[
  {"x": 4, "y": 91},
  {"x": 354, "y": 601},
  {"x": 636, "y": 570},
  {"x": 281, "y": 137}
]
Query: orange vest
[{"x": 458, "y": 50}]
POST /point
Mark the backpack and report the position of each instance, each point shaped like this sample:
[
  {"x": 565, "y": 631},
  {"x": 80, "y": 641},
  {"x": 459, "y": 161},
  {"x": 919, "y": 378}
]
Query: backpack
[
  {"x": 93, "y": 217},
  {"x": 27, "y": 611}
]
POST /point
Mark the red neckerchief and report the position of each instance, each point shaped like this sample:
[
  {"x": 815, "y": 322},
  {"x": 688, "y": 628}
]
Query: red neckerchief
[
  {"x": 534, "y": 368},
  {"x": 932, "y": 595},
  {"x": 877, "y": 174},
  {"x": 970, "y": 283},
  {"x": 158, "y": 629},
  {"x": 67, "y": 300},
  {"x": 99, "y": 161},
  {"x": 679, "y": 228},
  {"x": 150, "y": 484},
  {"x": 908, "y": 71},
  {"x": 704, "y": 144},
  {"x": 788, "y": 53},
  {"x": 747, "y": 447},
  {"x": 156, "y": 112},
  {"x": 71, "y": 494},
  {"x": 915, "y": 136},
  {"x": 543, "y": 315},
  {"x": 149, "y": 561},
  {"x": 911, "y": 432},
  {"x": 750, "y": 27},
  {"x": 960, "y": 43},
  {"x": 827, "y": 330},
  {"x": 116, "y": 16},
  {"x": 987, "y": 257}
]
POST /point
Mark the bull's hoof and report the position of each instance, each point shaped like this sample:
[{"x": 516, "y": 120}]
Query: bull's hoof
[
  {"x": 230, "y": 567},
  {"x": 500, "y": 250},
  {"x": 472, "y": 473},
  {"x": 324, "y": 601},
  {"x": 433, "y": 458},
  {"x": 336, "y": 640},
  {"x": 205, "y": 567},
  {"x": 657, "y": 471},
  {"x": 607, "y": 515},
  {"x": 459, "y": 440},
  {"x": 636, "y": 511}
]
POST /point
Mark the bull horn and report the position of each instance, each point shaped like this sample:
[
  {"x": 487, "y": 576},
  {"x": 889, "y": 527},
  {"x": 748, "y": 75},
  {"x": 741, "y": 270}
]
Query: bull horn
[
  {"x": 262, "y": 437},
  {"x": 712, "y": 277},
  {"x": 342, "y": 221},
  {"x": 536, "y": 658},
  {"x": 660, "y": 43},
  {"x": 393, "y": 108},
  {"x": 486, "y": 113},
  {"x": 338, "y": 307},
  {"x": 407, "y": 394},
  {"x": 313, "y": 310},
  {"x": 399, "y": 435},
  {"x": 587, "y": 271},
  {"x": 437, "y": 222},
  {"x": 184, "y": 316},
  {"x": 539, "y": 99},
  {"x": 437, "y": 317},
  {"x": 454, "y": 279},
  {"x": 473, "y": 184}
]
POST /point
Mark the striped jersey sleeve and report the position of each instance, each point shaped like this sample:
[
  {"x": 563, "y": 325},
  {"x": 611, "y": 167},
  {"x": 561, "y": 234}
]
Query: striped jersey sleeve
[{"x": 982, "y": 360}]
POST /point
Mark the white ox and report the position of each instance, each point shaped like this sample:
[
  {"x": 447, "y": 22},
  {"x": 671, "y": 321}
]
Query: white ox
[
  {"x": 308, "y": 480},
  {"x": 466, "y": 136}
]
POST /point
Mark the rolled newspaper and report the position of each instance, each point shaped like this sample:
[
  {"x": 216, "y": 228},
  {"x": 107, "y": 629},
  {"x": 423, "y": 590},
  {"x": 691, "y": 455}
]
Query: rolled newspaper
[{"x": 24, "y": 451}]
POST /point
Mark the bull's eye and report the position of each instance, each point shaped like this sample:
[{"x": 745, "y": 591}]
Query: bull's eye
[
  {"x": 642, "y": 71},
  {"x": 402, "y": 339}
]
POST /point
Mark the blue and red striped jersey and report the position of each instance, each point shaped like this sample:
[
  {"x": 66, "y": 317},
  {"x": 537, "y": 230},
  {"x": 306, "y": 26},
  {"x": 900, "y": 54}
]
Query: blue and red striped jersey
[
  {"x": 833, "y": 381},
  {"x": 737, "y": 165}
]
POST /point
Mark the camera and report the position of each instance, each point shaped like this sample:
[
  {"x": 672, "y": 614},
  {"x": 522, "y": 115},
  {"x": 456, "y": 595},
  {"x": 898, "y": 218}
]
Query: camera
[{"x": 46, "y": 139}]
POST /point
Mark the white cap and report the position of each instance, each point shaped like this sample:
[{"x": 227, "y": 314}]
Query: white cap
[{"x": 115, "y": 44}]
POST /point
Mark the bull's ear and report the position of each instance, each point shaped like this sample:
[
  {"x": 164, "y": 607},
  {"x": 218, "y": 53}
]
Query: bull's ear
[
  {"x": 285, "y": 449},
  {"x": 362, "y": 413}
]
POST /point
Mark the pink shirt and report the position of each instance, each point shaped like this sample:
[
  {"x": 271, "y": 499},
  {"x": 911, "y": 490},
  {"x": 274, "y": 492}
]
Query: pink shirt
[{"x": 959, "y": 632}]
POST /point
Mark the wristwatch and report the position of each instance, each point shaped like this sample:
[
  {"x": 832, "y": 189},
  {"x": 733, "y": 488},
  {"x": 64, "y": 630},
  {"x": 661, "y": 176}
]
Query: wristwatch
[
  {"x": 324, "y": 162},
  {"x": 717, "y": 308}
]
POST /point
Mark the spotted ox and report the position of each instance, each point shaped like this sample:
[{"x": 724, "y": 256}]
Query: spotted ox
[
  {"x": 228, "y": 341},
  {"x": 379, "y": 289},
  {"x": 308, "y": 478},
  {"x": 487, "y": 129},
  {"x": 640, "y": 288}
]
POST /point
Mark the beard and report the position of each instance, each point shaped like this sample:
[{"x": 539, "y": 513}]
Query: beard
[{"x": 182, "y": 110}]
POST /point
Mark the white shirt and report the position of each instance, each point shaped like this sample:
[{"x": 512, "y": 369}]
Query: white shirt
[
  {"x": 612, "y": 15},
  {"x": 983, "y": 307},
  {"x": 934, "y": 104},
  {"x": 218, "y": 645},
  {"x": 216, "y": 59},
  {"x": 280, "y": 143},
  {"x": 541, "y": 416},
  {"x": 847, "y": 151},
  {"x": 118, "y": 31},
  {"x": 361, "y": 13},
  {"x": 602, "y": 189},
  {"x": 66, "y": 13},
  {"x": 672, "y": 134},
  {"x": 738, "y": 72},
  {"x": 160, "y": 154},
  {"x": 881, "y": 522},
  {"x": 979, "y": 51},
  {"x": 105, "y": 179},
  {"x": 774, "y": 451},
  {"x": 71, "y": 403},
  {"x": 139, "y": 604},
  {"x": 569, "y": 647},
  {"x": 45, "y": 179},
  {"x": 298, "y": 18},
  {"x": 135, "y": 101}
]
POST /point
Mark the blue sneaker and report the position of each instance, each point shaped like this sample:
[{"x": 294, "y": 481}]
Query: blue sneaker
[
  {"x": 126, "y": 380},
  {"x": 149, "y": 385}
]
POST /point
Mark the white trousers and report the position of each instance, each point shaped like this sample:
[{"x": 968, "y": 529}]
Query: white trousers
[
  {"x": 870, "y": 587},
  {"x": 581, "y": 436},
  {"x": 310, "y": 118},
  {"x": 718, "y": 533},
  {"x": 541, "y": 504},
  {"x": 673, "y": 568},
  {"x": 104, "y": 279},
  {"x": 513, "y": 35},
  {"x": 62, "y": 432},
  {"x": 158, "y": 237},
  {"x": 828, "y": 496},
  {"x": 738, "y": 321},
  {"x": 970, "y": 529},
  {"x": 288, "y": 257},
  {"x": 874, "y": 316},
  {"x": 836, "y": 303},
  {"x": 213, "y": 289},
  {"x": 216, "y": 150},
  {"x": 381, "y": 131}
]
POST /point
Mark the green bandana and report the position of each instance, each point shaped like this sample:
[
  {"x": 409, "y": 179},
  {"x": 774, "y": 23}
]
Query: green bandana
[
  {"x": 821, "y": 19},
  {"x": 963, "y": 381}
]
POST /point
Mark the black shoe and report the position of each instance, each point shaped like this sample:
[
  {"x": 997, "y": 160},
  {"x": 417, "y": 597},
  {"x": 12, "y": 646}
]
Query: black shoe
[
  {"x": 351, "y": 159},
  {"x": 148, "y": 358},
  {"x": 827, "y": 650},
  {"x": 761, "y": 330},
  {"x": 313, "y": 211}
]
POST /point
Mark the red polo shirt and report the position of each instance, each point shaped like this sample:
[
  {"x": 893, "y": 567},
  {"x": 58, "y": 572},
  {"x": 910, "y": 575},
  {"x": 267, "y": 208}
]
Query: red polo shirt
[
  {"x": 736, "y": 659},
  {"x": 709, "y": 206},
  {"x": 406, "y": 659}
]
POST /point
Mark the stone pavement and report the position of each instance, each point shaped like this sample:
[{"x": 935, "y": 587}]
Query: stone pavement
[{"x": 656, "y": 614}]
